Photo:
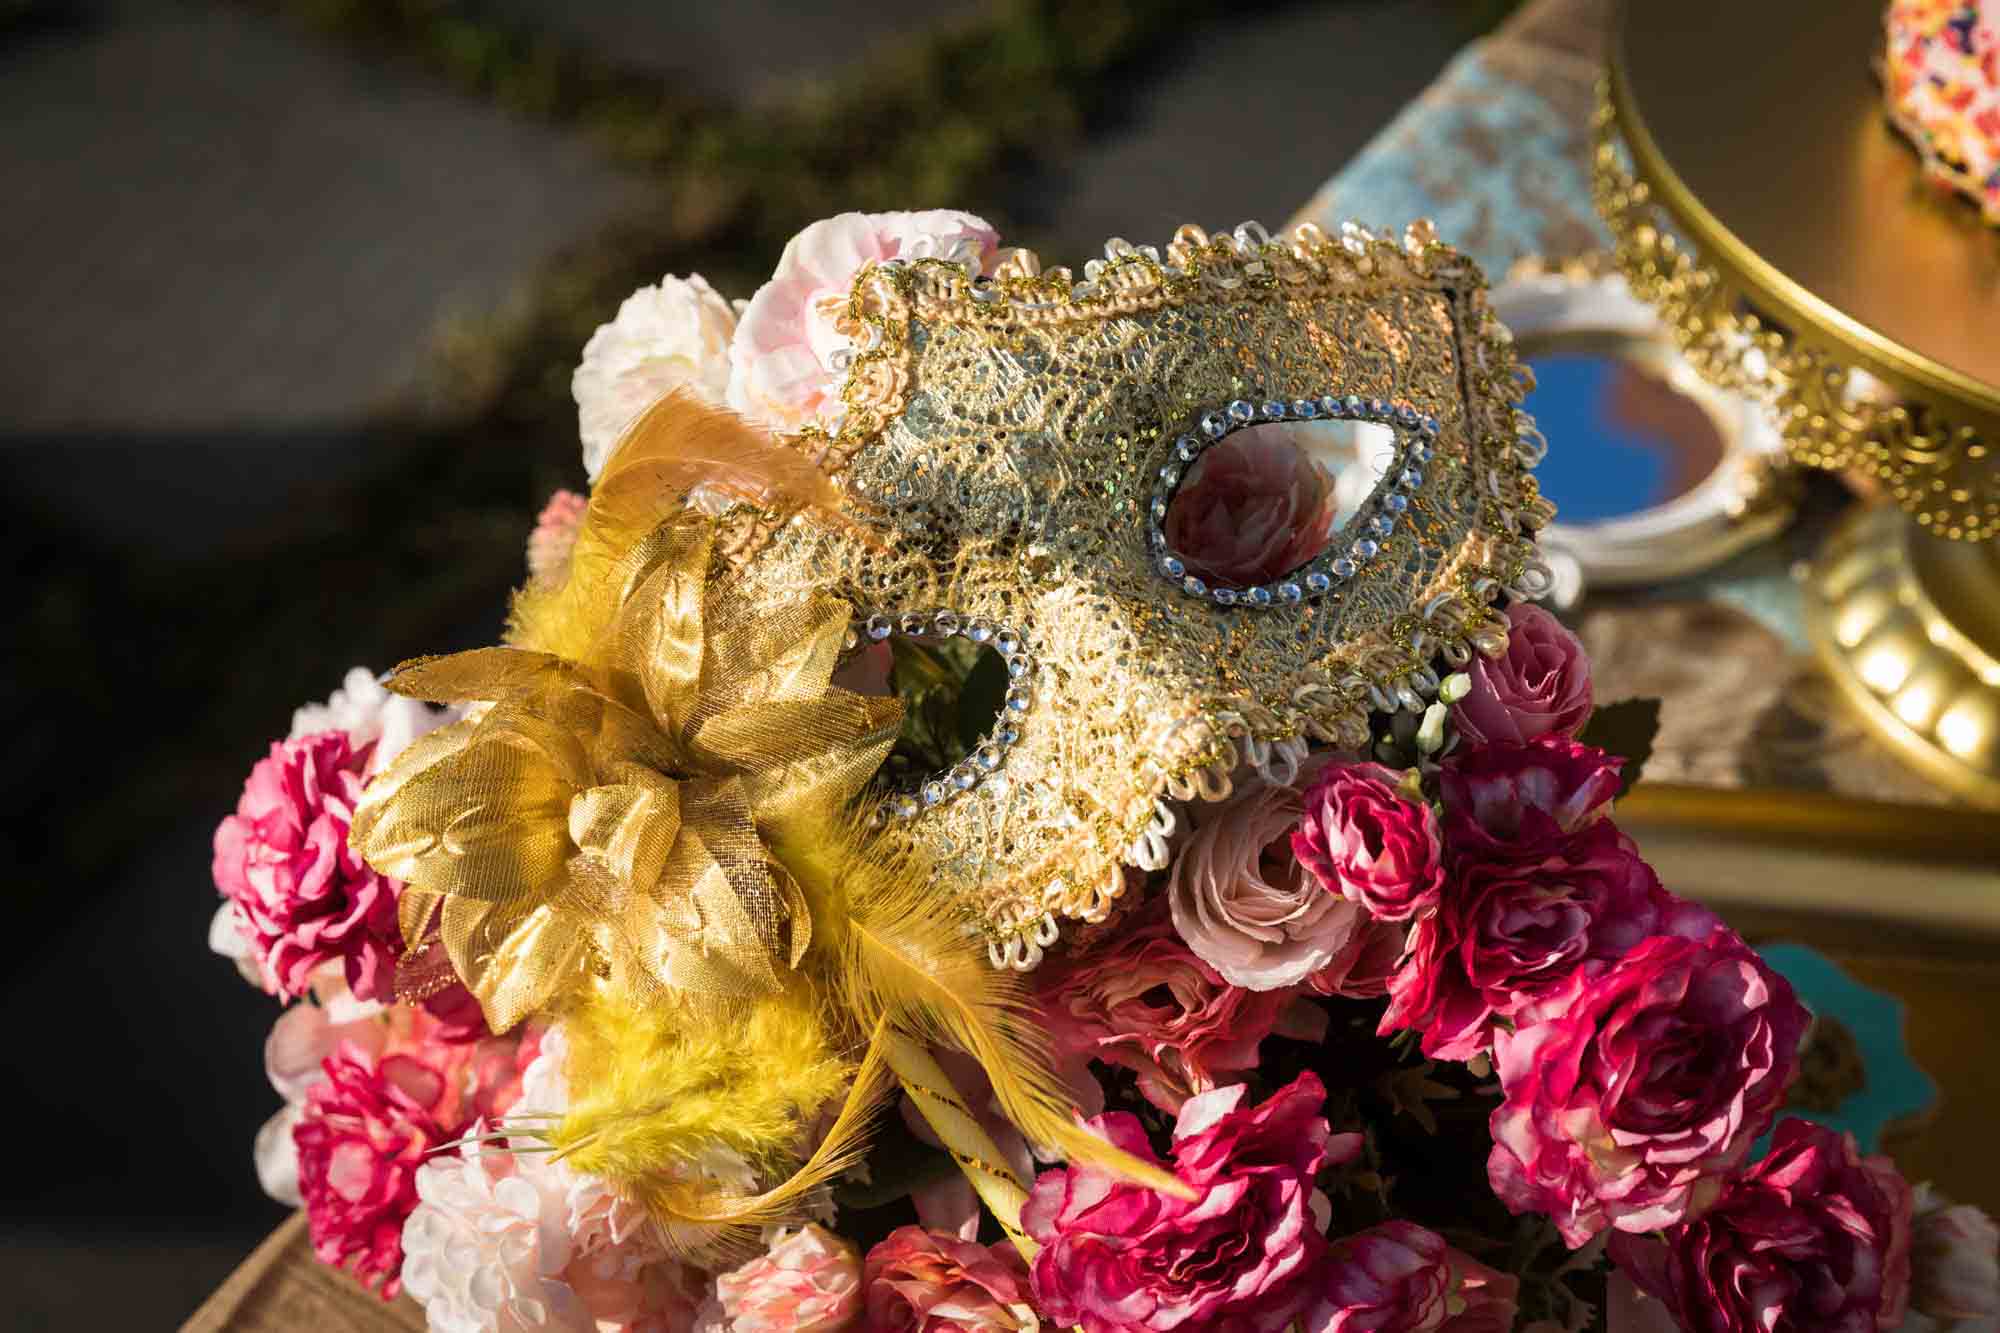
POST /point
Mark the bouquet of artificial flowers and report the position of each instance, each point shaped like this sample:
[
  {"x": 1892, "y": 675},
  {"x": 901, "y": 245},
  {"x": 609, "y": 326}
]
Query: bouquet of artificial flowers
[{"x": 608, "y": 1006}]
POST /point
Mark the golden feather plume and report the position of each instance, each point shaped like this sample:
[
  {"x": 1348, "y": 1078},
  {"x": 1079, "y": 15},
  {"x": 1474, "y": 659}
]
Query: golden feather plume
[
  {"x": 657, "y": 1090},
  {"x": 676, "y": 445},
  {"x": 891, "y": 948}
]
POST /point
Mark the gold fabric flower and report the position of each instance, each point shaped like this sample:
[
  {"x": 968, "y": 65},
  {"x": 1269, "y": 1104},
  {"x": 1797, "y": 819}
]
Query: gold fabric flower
[{"x": 608, "y": 815}]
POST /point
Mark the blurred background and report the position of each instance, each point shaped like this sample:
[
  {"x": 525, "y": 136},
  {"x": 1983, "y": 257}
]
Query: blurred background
[{"x": 290, "y": 293}]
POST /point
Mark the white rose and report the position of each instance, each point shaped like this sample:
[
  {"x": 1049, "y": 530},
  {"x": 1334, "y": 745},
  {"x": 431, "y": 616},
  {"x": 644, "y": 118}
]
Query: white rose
[{"x": 669, "y": 336}]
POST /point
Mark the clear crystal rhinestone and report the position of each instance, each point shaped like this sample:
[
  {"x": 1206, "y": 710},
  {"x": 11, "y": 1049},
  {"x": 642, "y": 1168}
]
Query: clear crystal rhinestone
[
  {"x": 913, "y": 623},
  {"x": 1406, "y": 416},
  {"x": 1172, "y": 567},
  {"x": 1291, "y": 592},
  {"x": 1343, "y": 568},
  {"x": 1241, "y": 410},
  {"x": 1170, "y": 475},
  {"x": 1008, "y": 642},
  {"x": 1157, "y": 540},
  {"x": 1019, "y": 665},
  {"x": 1224, "y": 596},
  {"x": 1431, "y": 426},
  {"x": 1423, "y": 453},
  {"x": 907, "y": 807},
  {"x": 946, "y": 623},
  {"x": 879, "y": 628},
  {"x": 987, "y": 757},
  {"x": 1318, "y": 582},
  {"x": 1159, "y": 511},
  {"x": 1332, "y": 406},
  {"x": 1259, "y": 596},
  {"x": 1193, "y": 586},
  {"x": 1409, "y": 479},
  {"x": 1187, "y": 448},
  {"x": 1377, "y": 408},
  {"x": 1395, "y": 504},
  {"x": 1305, "y": 409},
  {"x": 935, "y": 792},
  {"x": 1274, "y": 410},
  {"x": 1354, "y": 405},
  {"x": 964, "y": 778},
  {"x": 979, "y": 631},
  {"x": 1214, "y": 425},
  {"x": 1020, "y": 699},
  {"x": 1381, "y": 525},
  {"x": 1366, "y": 548}
]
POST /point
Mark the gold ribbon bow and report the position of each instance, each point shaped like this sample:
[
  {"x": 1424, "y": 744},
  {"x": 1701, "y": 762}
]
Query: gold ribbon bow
[{"x": 610, "y": 814}]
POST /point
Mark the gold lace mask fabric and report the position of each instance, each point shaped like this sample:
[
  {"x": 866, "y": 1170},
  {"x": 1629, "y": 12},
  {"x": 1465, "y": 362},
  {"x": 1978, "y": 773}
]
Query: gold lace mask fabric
[{"x": 1012, "y": 440}]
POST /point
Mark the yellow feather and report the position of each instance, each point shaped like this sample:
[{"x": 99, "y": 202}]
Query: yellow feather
[
  {"x": 893, "y": 948},
  {"x": 656, "y": 1089}
]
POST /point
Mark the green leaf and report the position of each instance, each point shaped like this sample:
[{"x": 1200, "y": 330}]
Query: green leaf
[{"x": 1626, "y": 728}]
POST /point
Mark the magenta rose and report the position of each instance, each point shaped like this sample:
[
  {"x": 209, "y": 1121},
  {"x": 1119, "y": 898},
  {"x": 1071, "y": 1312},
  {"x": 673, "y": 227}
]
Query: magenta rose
[
  {"x": 364, "y": 1132},
  {"x": 1815, "y": 1238},
  {"x": 1121, "y": 1258},
  {"x": 1252, "y": 508},
  {"x": 1247, "y": 907},
  {"x": 301, "y": 894},
  {"x": 1518, "y": 926},
  {"x": 1502, "y": 797},
  {"x": 1391, "y": 1278},
  {"x": 1644, "y": 1086},
  {"x": 1539, "y": 687},
  {"x": 1144, "y": 1000},
  {"x": 1364, "y": 840},
  {"x": 919, "y": 1281}
]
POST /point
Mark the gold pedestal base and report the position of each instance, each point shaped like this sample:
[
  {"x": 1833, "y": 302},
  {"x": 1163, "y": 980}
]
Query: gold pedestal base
[{"x": 1908, "y": 626}]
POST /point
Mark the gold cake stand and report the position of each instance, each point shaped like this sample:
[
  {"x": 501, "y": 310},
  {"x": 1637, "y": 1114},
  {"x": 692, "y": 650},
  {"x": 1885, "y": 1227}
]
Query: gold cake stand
[{"x": 1763, "y": 204}]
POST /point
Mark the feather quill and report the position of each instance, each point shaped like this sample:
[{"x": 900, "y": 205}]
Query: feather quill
[{"x": 893, "y": 948}]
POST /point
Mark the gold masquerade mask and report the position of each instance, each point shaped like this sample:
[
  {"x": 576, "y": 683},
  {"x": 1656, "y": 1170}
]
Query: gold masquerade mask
[{"x": 1015, "y": 444}]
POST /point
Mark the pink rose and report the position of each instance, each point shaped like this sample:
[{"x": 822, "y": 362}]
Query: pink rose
[
  {"x": 1361, "y": 971},
  {"x": 1502, "y": 797},
  {"x": 1252, "y": 508},
  {"x": 933, "y": 1282},
  {"x": 1955, "y": 1260},
  {"x": 301, "y": 895},
  {"x": 1144, "y": 1000},
  {"x": 783, "y": 353},
  {"x": 554, "y": 538},
  {"x": 1392, "y": 1278},
  {"x": 1643, "y": 1087},
  {"x": 1120, "y": 1258},
  {"x": 1246, "y": 906},
  {"x": 808, "y": 1281},
  {"x": 366, "y": 1130},
  {"x": 1367, "y": 842},
  {"x": 1813, "y": 1239},
  {"x": 1518, "y": 926},
  {"x": 1539, "y": 687}
]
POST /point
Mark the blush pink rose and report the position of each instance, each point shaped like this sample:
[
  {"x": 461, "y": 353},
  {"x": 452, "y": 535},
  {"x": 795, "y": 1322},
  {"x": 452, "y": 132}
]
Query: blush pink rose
[
  {"x": 1955, "y": 1260},
  {"x": 1243, "y": 902},
  {"x": 783, "y": 353},
  {"x": 1366, "y": 841},
  {"x": 1815, "y": 1238},
  {"x": 1539, "y": 687},
  {"x": 302, "y": 896},
  {"x": 1519, "y": 926},
  {"x": 365, "y": 1131},
  {"x": 807, "y": 1281},
  {"x": 920, "y": 1281},
  {"x": 1393, "y": 1278},
  {"x": 1144, "y": 1000},
  {"x": 1505, "y": 797},
  {"x": 1644, "y": 1086},
  {"x": 1252, "y": 508},
  {"x": 1120, "y": 1258}
]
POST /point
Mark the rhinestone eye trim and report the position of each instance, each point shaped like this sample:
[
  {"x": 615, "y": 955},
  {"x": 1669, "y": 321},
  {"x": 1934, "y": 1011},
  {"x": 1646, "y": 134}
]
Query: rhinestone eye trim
[
  {"x": 986, "y": 761},
  {"x": 1416, "y": 437}
]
